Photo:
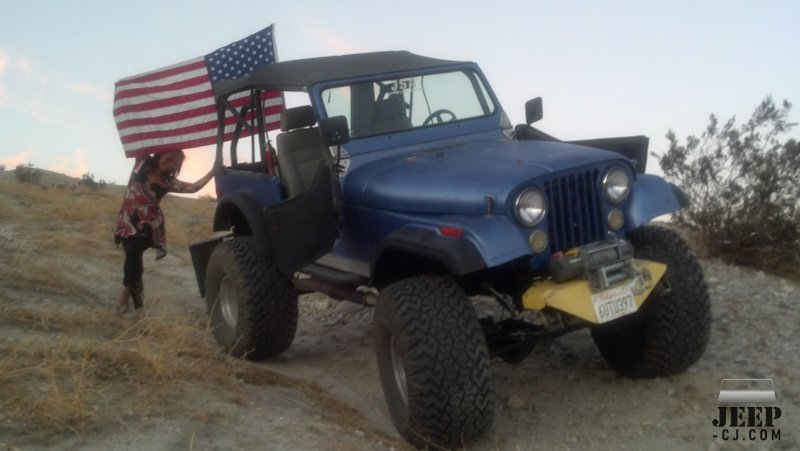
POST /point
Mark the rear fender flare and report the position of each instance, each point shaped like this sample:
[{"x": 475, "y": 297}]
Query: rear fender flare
[{"x": 237, "y": 207}]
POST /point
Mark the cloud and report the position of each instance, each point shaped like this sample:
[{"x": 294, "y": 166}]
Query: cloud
[
  {"x": 14, "y": 160},
  {"x": 74, "y": 165},
  {"x": 22, "y": 87},
  {"x": 4, "y": 60},
  {"x": 91, "y": 91},
  {"x": 24, "y": 67},
  {"x": 3, "y": 64},
  {"x": 332, "y": 42}
]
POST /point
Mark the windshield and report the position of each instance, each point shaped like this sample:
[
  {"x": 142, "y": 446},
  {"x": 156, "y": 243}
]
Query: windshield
[{"x": 396, "y": 104}]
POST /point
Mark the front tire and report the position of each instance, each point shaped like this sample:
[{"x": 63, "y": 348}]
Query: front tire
[
  {"x": 671, "y": 330},
  {"x": 433, "y": 361},
  {"x": 252, "y": 306}
]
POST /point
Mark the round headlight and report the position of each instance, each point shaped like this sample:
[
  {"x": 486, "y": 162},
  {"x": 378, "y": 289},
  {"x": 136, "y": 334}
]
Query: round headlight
[
  {"x": 530, "y": 207},
  {"x": 616, "y": 185}
]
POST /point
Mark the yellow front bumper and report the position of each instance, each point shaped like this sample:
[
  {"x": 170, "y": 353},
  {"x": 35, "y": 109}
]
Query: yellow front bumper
[{"x": 576, "y": 297}]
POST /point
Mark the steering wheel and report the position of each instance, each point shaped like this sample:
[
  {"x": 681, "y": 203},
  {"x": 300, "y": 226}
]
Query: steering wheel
[{"x": 439, "y": 116}]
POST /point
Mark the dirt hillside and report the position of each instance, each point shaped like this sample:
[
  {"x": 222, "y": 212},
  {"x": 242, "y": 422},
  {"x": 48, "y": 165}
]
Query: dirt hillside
[{"x": 73, "y": 375}]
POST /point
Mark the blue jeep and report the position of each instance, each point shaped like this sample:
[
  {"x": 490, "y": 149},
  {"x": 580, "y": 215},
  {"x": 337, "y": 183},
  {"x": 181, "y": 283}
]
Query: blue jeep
[{"x": 403, "y": 185}]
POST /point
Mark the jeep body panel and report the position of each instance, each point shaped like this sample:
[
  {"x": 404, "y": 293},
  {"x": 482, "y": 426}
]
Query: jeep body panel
[
  {"x": 464, "y": 174},
  {"x": 456, "y": 178},
  {"x": 652, "y": 197},
  {"x": 404, "y": 186}
]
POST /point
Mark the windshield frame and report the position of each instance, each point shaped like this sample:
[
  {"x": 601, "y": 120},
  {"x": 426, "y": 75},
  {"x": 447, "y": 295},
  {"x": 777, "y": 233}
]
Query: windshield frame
[{"x": 484, "y": 96}]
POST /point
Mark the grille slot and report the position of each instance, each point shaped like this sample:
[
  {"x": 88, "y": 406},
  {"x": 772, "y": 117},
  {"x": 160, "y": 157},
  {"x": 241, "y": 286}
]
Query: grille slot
[{"x": 575, "y": 210}]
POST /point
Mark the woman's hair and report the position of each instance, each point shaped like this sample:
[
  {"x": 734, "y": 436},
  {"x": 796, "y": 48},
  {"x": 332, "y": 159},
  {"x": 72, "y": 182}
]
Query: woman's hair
[{"x": 153, "y": 161}]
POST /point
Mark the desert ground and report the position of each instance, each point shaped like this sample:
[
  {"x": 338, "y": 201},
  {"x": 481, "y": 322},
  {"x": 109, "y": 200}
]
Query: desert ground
[{"x": 76, "y": 376}]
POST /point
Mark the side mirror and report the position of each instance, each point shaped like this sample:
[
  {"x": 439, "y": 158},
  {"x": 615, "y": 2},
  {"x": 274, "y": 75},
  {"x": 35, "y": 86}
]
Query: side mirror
[
  {"x": 334, "y": 130},
  {"x": 533, "y": 110}
]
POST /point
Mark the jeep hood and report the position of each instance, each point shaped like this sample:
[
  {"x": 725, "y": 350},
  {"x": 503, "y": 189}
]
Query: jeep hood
[{"x": 458, "y": 179}]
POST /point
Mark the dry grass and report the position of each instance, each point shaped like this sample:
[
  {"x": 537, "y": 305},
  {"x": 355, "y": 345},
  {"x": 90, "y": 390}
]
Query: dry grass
[
  {"x": 81, "y": 214},
  {"x": 76, "y": 370},
  {"x": 69, "y": 366},
  {"x": 88, "y": 369},
  {"x": 194, "y": 222}
]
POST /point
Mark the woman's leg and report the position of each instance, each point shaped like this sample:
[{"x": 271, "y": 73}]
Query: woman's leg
[
  {"x": 134, "y": 268},
  {"x": 122, "y": 301},
  {"x": 137, "y": 294}
]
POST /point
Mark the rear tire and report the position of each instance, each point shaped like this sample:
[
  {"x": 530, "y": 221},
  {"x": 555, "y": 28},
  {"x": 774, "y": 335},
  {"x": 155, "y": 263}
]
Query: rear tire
[
  {"x": 252, "y": 306},
  {"x": 433, "y": 362},
  {"x": 671, "y": 330}
]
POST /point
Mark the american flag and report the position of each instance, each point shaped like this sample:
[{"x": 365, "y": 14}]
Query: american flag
[{"x": 174, "y": 107}]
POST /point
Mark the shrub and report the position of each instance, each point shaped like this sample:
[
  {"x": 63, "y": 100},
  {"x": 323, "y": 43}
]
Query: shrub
[
  {"x": 88, "y": 181},
  {"x": 743, "y": 185},
  {"x": 26, "y": 173}
]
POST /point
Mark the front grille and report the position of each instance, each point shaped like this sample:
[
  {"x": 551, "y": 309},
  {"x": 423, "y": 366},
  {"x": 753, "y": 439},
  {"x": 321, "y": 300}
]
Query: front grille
[{"x": 575, "y": 211}]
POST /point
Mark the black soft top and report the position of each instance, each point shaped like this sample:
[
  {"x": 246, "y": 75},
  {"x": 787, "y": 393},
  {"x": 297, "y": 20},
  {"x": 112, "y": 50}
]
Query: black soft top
[{"x": 299, "y": 75}]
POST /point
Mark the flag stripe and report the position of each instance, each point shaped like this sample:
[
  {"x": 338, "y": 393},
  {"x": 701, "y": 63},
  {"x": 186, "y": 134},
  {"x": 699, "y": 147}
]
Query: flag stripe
[
  {"x": 189, "y": 144},
  {"x": 123, "y": 97},
  {"x": 188, "y": 130},
  {"x": 174, "y": 107},
  {"x": 179, "y": 126},
  {"x": 273, "y": 104},
  {"x": 163, "y": 103},
  {"x": 204, "y": 138},
  {"x": 180, "y": 85},
  {"x": 164, "y": 73},
  {"x": 126, "y": 125}
]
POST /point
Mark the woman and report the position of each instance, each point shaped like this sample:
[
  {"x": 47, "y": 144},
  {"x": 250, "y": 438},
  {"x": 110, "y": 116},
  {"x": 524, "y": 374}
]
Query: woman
[{"x": 140, "y": 224}]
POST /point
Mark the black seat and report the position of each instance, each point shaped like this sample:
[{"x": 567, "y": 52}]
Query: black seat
[
  {"x": 389, "y": 115},
  {"x": 300, "y": 150}
]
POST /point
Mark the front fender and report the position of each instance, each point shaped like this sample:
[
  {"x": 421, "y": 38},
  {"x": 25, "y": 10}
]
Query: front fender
[
  {"x": 652, "y": 196},
  {"x": 459, "y": 256}
]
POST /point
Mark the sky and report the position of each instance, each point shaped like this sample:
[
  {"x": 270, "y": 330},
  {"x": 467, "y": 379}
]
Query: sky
[{"x": 603, "y": 68}]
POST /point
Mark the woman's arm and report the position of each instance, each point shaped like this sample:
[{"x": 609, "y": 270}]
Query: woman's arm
[{"x": 184, "y": 187}]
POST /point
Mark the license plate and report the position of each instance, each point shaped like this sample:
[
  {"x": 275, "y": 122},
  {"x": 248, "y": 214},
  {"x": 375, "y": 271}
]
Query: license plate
[{"x": 614, "y": 303}]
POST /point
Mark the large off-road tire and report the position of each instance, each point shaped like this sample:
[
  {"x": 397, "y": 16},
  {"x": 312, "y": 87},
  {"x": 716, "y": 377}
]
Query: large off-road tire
[
  {"x": 433, "y": 361},
  {"x": 252, "y": 306},
  {"x": 671, "y": 330}
]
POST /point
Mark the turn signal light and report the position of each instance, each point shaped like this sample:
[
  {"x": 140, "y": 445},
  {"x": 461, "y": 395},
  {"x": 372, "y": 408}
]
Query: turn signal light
[{"x": 453, "y": 232}]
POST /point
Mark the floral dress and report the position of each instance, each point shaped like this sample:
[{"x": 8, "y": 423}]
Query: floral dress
[{"x": 141, "y": 207}]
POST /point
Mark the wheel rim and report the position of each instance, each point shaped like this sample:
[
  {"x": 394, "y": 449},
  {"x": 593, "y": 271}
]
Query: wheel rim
[
  {"x": 228, "y": 303},
  {"x": 399, "y": 372}
]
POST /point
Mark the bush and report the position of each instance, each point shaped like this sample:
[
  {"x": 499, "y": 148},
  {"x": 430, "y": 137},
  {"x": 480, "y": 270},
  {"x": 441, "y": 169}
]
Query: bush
[
  {"x": 88, "y": 181},
  {"x": 743, "y": 184},
  {"x": 26, "y": 173}
]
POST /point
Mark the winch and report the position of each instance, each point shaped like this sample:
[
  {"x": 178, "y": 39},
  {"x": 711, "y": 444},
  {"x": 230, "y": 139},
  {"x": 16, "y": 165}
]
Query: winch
[{"x": 603, "y": 263}]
